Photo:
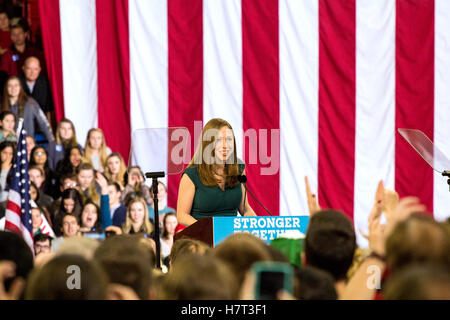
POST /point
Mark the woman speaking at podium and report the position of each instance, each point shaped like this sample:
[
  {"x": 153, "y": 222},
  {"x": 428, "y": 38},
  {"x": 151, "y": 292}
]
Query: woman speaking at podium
[{"x": 209, "y": 186}]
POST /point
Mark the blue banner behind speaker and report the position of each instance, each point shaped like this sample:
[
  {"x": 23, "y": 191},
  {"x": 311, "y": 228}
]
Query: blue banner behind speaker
[{"x": 266, "y": 228}]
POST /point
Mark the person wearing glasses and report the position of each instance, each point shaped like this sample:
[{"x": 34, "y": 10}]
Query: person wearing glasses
[{"x": 42, "y": 244}]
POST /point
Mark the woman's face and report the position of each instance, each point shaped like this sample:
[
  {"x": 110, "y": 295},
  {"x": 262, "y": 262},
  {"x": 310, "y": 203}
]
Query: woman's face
[
  {"x": 4, "y": 21},
  {"x": 40, "y": 157},
  {"x": 171, "y": 224},
  {"x": 65, "y": 131},
  {"x": 85, "y": 178},
  {"x": 30, "y": 144},
  {"x": 161, "y": 192},
  {"x": 36, "y": 218},
  {"x": 89, "y": 216},
  {"x": 69, "y": 205},
  {"x": 114, "y": 165},
  {"x": 6, "y": 155},
  {"x": 95, "y": 140},
  {"x": 13, "y": 88},
  {"x": 33, "y": 193},
  {"x": 8, "y": 123},
  {"x": 224, "y": 145},
  {"x": 137, "y": 212},
  {"x": 75, "y": 157}
]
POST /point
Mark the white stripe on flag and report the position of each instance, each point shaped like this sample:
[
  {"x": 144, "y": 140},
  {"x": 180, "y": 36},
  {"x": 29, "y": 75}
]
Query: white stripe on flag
[
  {"x": 149, "y": 77},
  {"x": 375, "y": 105},
  {"x": 222, "y": 64},
  {"x": 79, "y": 59},
  {"x": 442, "y": 104},
  {"x": 299, "y": 73}
]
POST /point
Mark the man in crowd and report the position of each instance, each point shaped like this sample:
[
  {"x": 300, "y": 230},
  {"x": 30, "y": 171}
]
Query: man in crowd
[
  {"x": 36, "y": 85},
  {"x": 13, "y": 59},
  {"x": 42, "y": 244}
]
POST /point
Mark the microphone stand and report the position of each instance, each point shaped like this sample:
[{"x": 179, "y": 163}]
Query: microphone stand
[
  {"x": 243, "y": 179},
  {"x": 154, "y": 176}
]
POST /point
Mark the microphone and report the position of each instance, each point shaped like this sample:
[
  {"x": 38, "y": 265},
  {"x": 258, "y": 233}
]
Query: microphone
[{"x": 242, "y": 178}]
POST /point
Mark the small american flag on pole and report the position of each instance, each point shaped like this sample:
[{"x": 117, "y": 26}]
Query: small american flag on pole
[{"x": 18, "y": 208}]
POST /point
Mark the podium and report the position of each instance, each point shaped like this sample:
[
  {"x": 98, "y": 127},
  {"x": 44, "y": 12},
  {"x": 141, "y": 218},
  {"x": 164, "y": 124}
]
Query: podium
[
  {"x": 202, "y": 230},
  {"x": 214, "y": 230}
]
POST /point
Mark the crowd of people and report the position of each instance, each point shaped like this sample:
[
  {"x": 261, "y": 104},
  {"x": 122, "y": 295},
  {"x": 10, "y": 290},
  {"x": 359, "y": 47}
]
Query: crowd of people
[{"x": 89, "y": 210}]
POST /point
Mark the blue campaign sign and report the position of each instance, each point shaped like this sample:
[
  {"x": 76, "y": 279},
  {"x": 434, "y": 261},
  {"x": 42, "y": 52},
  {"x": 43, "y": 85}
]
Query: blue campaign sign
[{"x": 266, "y": 228}]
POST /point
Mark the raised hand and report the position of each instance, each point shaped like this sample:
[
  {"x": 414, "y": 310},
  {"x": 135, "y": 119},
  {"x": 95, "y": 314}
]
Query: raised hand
[{"x": 313, "y": 203}]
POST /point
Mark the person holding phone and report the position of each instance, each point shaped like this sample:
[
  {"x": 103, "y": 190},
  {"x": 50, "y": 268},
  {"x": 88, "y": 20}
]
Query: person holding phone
[{"x": 209, "y": 185}]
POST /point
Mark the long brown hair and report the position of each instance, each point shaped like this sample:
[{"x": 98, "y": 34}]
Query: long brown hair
[
  {"x": 73, "y": 141},
  {"x": 205, "y": 167},
  {"x": 6, "y": 106},
  {"x": 119, "y": 178}
]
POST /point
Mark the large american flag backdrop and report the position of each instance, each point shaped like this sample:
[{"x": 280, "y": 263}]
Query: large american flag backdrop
[{"x": 336, "y": 77}]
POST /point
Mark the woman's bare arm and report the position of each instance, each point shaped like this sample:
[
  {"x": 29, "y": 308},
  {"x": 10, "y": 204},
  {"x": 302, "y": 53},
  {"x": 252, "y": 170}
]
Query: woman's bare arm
[{"x": 186, "y": 194}]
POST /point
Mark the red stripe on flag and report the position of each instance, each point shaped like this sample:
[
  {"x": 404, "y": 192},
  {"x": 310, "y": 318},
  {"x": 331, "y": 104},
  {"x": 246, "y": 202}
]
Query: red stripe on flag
[
  {"x": 12, "y": 227},
  {"x": 14, "y": 207},
  {"x": 51, "y": 38},
  {"x": 414, "y": 95},
  {"x": 185, "y": 28},
  {"x": 113, "y": 67},
  {"x": 260, "y": 59},
  {"x": 337, "y": 113}
]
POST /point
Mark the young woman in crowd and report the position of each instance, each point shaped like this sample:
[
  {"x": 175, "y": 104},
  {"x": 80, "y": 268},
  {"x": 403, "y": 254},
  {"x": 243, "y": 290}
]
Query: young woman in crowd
[
  {"x": 39, "y": 224},
  {"x": 86, "y": 181},
  {"x": 115, "y": 168},
  {"x": 65, "y": 137},
  {"x": 72, "y": 159},
  {"x": 70, "y": 203},
  {"x": 96, "y": 150},
  {"x": 162, "y": 204},
  {"x": 135, "y": 184},
  {"x": 137, "y": 218},
  {"x": 7, "y": 122},
  {"x": 36, "y": 197},
  {"x": 90, "y": 218},
  {"x": 15, "y": 100},
  {"x": 39, "y": 158},
  {"x": 170, "y": 223},
  {"x": 6, "y": 162},
  {"x": 31, "y": 143}
]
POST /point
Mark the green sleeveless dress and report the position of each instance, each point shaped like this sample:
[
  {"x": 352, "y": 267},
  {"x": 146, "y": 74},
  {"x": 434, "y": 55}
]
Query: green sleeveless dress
[{"x": 213, "y": 201}]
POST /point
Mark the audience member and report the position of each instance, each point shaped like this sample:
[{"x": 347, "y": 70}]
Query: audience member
[
  {"x": 7, "y": 122},
  {"x": 5, "y": 33},
  {"x": 6, "y": 162},
  {"x": 36, "y": 85},
  {"x": 65, "y": 137},
  {"x": 115, "y": 169},
  {"x": 24, "y": 107},
  {"x": 73, "y": 157},
  {"x": 42, "y": 243},
  {"x": 162, "y": 204},
  {"x": 86, "y": 180},
  {"x": 135, "y": 184},
  {"x": 96, "y": 150},
  {"x": 70, "y": 227},
  {"x": 13, "y": 59},
  {"x": 216, "y": 281},
  {"x": 330, "y": 227},
  {"x": 50, "y": 282},
  {"x": 314, "y": 284},
  {"x": 168, "y": 231},
  {"x": 127, "y": 261}
]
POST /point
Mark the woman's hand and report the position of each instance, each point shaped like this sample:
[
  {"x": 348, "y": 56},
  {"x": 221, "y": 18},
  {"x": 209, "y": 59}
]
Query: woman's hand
[{"x": 313, "y": 203}]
